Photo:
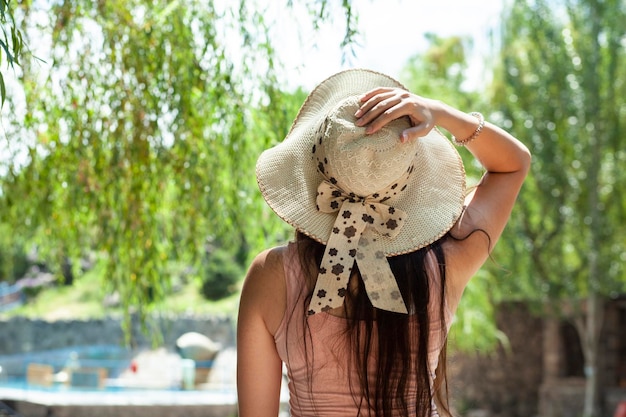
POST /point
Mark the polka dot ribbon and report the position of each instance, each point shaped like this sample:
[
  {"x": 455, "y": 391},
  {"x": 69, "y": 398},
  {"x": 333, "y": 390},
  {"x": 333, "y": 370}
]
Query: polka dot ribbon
[{"x": 360, "y": 223}]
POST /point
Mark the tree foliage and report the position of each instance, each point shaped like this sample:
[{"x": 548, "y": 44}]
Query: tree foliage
[
  {"x": 11, "y": 42},
  {"x": 561, "y": 87},
  {"x": 324, "y": 10},
  {"x": 140, "y": 138}
]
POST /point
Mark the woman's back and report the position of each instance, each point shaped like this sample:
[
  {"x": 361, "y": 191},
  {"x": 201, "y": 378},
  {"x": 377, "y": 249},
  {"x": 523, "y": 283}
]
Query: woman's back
[{"x": 317, "y": 354}]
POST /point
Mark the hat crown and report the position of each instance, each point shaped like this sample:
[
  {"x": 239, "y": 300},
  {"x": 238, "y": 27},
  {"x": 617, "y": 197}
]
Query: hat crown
[{"x": 362, "y": 163}]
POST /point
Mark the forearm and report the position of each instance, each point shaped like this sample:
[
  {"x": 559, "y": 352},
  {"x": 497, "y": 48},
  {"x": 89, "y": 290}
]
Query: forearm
[{"x": 497, "y": 150}]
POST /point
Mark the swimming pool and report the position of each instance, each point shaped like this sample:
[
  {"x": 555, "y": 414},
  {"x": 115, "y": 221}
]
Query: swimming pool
[
  {"x": 119, "y": 397},
  {"x": 102, "y": 368}
]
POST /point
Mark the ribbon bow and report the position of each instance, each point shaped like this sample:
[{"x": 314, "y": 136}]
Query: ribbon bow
[{"x": 360, "y": 223}]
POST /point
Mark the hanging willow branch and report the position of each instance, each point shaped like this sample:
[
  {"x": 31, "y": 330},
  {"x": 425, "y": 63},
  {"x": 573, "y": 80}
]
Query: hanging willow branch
[{"x": 11, "y": 42}]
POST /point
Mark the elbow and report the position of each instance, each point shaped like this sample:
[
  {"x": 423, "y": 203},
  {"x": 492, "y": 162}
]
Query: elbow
[{"x": 525, "y": 159}]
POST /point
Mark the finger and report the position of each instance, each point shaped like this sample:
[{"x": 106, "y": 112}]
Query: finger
[
  {"x": 415, "y": 132},
  {"x": 373, "y": 97},
  {"x": 373, "y": 106},
  {"x": 371, "y": 93},
  {"x": 423, "y": 123},
  {"x": 382, "y": 103},
  {"x": 422, "y": 115},
  {"x": 383, "y": 116}
]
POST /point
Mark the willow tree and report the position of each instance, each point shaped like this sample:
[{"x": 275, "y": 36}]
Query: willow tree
[
  {"x": 11, "y": 42},
  {"x": 139, "y": 136},
  {"x": 561, "y": 85}
]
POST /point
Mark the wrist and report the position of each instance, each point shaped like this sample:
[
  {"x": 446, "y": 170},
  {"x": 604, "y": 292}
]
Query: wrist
[
  {"x": 446, "y": 116},
  {"x": 464, "y": 127},
  {"x": 481, "y": 123}
]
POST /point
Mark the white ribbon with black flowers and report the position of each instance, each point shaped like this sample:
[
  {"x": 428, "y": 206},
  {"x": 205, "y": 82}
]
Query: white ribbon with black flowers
[{"x": 360, "y": 223}]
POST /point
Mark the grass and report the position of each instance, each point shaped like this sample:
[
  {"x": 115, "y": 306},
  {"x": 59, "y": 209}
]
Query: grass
[
  {"x": 189, "y": 300},
  {"x": 85, "y": 300}
]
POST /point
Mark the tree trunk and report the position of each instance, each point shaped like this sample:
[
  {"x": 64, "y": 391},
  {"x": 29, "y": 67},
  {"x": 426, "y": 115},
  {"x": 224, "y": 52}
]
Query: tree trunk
[
  {"x": 589, "y": 330},
  {"x": 595, "y": 305}
]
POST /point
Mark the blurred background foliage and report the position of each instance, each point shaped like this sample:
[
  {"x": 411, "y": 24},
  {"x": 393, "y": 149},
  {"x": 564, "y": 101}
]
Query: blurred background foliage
[
  {"x": 139, "y": 140},
  {"x": 560, "y": 85}
]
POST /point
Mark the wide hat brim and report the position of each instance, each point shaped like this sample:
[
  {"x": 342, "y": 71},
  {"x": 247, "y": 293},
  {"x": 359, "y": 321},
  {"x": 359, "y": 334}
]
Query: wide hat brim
[{"x": 288, "y": 177}]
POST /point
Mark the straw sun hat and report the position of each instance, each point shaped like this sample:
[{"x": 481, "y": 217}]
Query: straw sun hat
[{"x": 398, "y": 197}]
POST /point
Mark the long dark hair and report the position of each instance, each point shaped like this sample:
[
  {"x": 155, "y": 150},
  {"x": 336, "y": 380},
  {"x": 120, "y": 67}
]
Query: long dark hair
[{"x": 392, "y": 346}]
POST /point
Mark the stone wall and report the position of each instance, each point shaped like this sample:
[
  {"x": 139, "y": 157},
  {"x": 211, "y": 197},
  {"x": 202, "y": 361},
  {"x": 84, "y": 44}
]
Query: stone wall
[
  {"x": 21, "y": 335},
  {"x": 563, "y": 390},
  {"x": 564, "y": 397},
  {"x": 503, "y": 382}
]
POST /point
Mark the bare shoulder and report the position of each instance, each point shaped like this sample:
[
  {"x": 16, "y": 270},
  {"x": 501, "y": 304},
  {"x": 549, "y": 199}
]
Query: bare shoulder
[
  {"x": 266, "y": 264},
  {"x": 264, "y": 291}
]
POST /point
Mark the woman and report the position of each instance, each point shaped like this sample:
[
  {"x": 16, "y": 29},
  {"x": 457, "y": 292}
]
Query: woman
[{"x": 358, "y": 308}]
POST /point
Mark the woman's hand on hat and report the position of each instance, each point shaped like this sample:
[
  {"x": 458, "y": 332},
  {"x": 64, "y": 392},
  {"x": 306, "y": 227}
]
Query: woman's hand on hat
[{"x": 383, "y": 105}]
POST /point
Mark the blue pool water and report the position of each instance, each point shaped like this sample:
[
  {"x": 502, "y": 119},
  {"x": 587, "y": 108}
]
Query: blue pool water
[
  {"x": 115, "y": 359},
  {"x": 220, "y": 392}
]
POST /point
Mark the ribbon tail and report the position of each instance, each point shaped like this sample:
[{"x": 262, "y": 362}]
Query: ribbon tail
[
  {"x": 338, "y": 261},
  {"x": 329, "y": 293},
  {"x": 380, "y": 283}
]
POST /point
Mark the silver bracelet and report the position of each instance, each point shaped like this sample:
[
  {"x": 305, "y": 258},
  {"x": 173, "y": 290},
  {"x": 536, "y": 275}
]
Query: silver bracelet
[{"x": 481, "y": 124}]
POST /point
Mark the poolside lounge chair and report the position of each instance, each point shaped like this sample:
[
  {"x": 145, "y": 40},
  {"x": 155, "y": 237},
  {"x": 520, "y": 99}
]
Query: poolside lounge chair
[
  {"x": 88, "y": 377},
  {"x": 39, "y": 374}
]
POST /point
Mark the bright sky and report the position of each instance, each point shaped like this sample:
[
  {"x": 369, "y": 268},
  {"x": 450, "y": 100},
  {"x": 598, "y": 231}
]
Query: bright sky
[{"x": 391, "y": 30}]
